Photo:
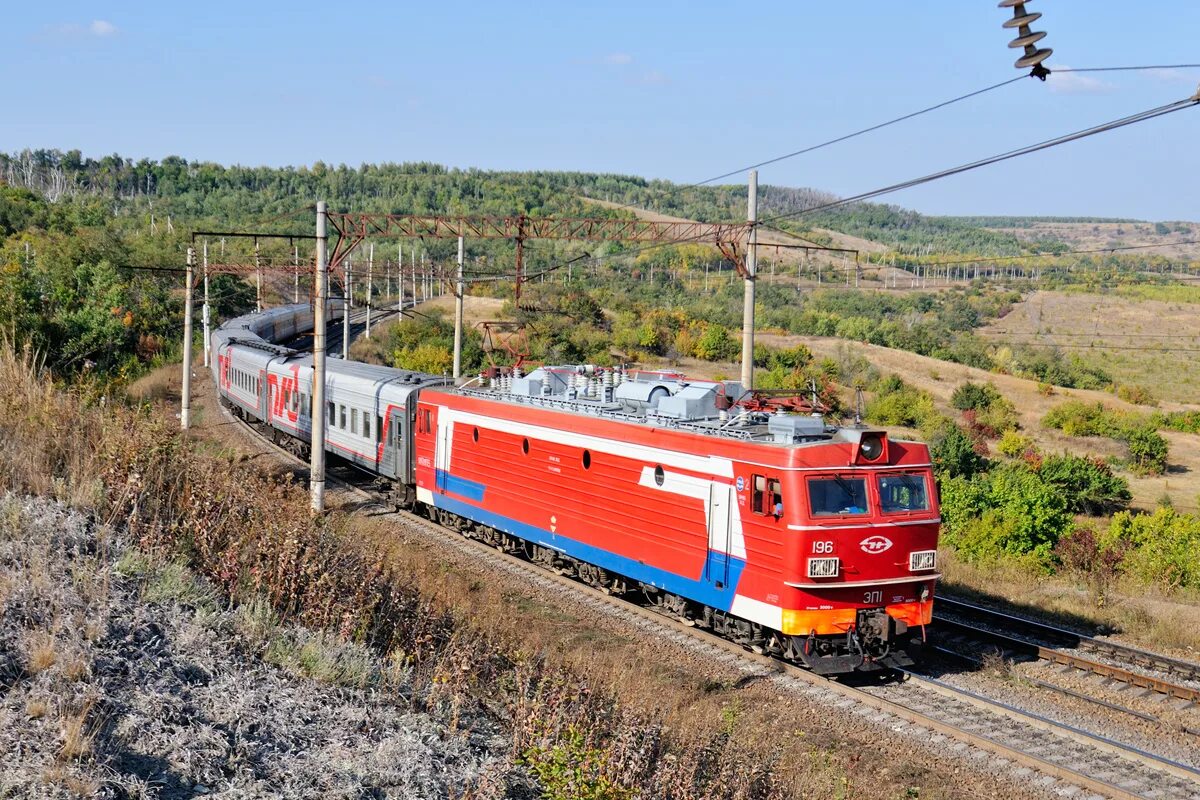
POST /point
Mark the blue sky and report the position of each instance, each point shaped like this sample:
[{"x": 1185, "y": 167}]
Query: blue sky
[{"x": 672, "y": 90}]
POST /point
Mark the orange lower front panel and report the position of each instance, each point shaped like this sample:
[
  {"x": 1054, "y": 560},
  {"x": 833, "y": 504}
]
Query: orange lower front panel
[{"x": 840, "y": 620}]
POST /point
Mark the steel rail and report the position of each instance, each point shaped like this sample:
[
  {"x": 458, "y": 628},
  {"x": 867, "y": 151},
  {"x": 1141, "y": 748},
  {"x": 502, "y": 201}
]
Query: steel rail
[
  {"x": 1072, "y": 639},
  {"x": 979, "y": 663}
]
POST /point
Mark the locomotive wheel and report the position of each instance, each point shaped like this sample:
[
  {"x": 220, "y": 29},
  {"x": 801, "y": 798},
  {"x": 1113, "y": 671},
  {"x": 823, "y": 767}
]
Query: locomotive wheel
[
  {"x": 597, "y": 577},
  {"x": 673, "y": 606}
]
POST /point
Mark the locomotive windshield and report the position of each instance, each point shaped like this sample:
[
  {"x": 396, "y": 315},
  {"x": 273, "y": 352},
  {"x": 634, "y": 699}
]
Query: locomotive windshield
[
  {"x": 899, "y": 493},
  {"x": 837, "y": 495}
]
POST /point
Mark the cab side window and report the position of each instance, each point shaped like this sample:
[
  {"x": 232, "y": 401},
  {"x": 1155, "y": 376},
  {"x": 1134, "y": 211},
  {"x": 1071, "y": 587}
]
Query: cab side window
[{"x": 766, "y": 495}]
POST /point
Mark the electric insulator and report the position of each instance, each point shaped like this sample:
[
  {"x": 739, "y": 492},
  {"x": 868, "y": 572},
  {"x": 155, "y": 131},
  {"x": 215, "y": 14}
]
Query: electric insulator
[{"x": 1027, "y": 39}]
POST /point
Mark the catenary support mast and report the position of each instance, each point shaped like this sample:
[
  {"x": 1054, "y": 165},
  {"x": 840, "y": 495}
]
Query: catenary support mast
[
  {"x": 185, "y": 405},
  {"x": 748, "y": 295},
  {"x": 317, "y": 412},
  {"x": 458, "y": 313}
]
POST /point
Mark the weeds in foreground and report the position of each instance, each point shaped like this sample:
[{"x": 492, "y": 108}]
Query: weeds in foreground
[{"x": 250, "y": 537}]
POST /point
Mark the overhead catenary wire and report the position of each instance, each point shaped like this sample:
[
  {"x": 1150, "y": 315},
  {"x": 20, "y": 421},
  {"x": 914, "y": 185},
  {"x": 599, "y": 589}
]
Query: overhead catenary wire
[
  {"x": 911, "y": 115},
  {"x": 1046, "y": 144},
  {"x": 855, "y": 134},
  {"x": 1134, "y": 68},
  {"x": 1121, "y": 122}
]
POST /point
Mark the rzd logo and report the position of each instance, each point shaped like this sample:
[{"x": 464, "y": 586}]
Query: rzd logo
[{"x": 875, "y": 544}]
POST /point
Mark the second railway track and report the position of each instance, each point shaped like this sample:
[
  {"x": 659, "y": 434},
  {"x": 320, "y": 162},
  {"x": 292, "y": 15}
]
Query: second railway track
[
  {"x": 1028, "y": 637},
  {"x": 1039, "y": 750}
]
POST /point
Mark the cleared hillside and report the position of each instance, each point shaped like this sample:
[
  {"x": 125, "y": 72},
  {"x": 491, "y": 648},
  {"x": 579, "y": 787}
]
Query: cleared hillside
[{"x": 1137, "y": 339}]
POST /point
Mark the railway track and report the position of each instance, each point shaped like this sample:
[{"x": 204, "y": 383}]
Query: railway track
[
  {"x": 1030, "y": 638},
  {"x": 1049, "y": 755}
]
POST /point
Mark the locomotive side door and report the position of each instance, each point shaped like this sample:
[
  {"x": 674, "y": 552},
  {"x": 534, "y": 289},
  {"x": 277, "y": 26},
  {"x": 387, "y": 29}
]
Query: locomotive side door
[
  {"x": 720, "y": 533},
  {"x": 441, "y": 456}
]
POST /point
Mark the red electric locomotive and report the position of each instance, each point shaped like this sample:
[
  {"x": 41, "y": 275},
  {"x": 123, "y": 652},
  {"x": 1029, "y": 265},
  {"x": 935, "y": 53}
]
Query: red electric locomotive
[{"x": 813, "y": 542}]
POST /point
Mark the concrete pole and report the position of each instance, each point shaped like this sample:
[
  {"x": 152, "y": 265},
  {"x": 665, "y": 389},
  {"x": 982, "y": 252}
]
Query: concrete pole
[
  {"x": 316, "y": 468},
  {"x": 458, "y": 313},
  {"x": 370, "y": 285},
  {"x": 414, "y": 275},
  {"x": 185, "y": 406},
  {"x": 748, "y": 294},
  {"x": 346, "y": 309},
  {"x": 296, "y": 283},
  {"x": 205, "y": 311},
  {"x": 258, "y": 304},
  {"x": 400, "y": 279}
]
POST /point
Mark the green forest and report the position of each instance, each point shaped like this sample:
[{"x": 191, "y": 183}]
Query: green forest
[{"x": 85, "y": 243}]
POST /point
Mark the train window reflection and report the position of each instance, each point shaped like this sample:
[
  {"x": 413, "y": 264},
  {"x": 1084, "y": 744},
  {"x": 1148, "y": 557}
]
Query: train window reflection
[
  {"x": 837, "y": 495},
  {"x": 903, "y": 493}
]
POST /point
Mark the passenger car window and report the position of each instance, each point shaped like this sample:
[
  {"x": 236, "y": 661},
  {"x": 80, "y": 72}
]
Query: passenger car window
[
  {"x": 366, "y": 425},
  {"x": 837, "y": 495},
  {"x": 899, "y": 493}
]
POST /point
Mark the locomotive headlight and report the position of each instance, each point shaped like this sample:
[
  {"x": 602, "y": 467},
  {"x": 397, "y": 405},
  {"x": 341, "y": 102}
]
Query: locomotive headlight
[
  {"x": 924, "y": 592},
  {"x": 870, "y": 447}
]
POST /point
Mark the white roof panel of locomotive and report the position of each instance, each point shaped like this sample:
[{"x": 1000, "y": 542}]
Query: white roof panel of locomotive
[{"x": 664, "y": 399}]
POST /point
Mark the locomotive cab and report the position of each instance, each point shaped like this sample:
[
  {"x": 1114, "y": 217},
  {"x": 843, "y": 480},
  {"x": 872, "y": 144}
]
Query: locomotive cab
[{"x": 863, "y": 556}]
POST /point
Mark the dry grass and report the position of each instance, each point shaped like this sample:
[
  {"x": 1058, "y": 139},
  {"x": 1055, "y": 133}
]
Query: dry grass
[
  {"x": 78, "y": 733},
  {"x": 1100, "y": 327},
  {"x": 36, "y": 707},
  {"x": 41, "y": 651}
]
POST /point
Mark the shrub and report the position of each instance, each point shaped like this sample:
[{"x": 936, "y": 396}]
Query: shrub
[
  {"x": 1182, "y": 421},
  {"x": 1077, "y": 418},
  {"x": 1014, "y": 445},
  {"x": 1083, "y": 552},
  {"x": 1162, "y": 548},
  {"x": 987, "y": 413},
  {"x": 1010, "y": 511},
  {"x": 897, "y": 403},
  {"x": 1148, "y": 451},
  {"x": 974, "y": 396},
  {"x": 715, "y": 344},
  {"x": 431, "y": 358},
  {"x": 1138, "y": 395},
  {"x": 954, "y": 453},
  {"x": 1087, "y": 484}
]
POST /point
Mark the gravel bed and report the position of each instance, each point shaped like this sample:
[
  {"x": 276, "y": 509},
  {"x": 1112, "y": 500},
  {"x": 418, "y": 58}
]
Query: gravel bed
[{"x": 1164, "y": 739}]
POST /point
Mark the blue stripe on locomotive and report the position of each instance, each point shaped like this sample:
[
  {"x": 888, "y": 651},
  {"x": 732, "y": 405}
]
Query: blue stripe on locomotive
[{"x": 701, "y": 589}]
